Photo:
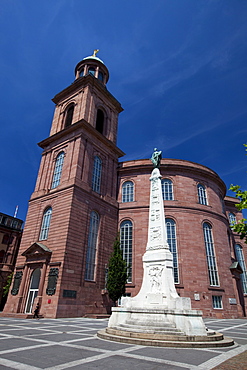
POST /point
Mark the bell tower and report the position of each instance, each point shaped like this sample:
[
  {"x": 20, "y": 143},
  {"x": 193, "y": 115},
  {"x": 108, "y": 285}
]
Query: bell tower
[{"x": 73, "y": 212}]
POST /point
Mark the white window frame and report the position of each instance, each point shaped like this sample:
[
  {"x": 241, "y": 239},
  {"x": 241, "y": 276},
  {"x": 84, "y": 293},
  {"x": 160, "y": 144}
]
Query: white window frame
[
  {"x": 202, "y": 194},
  {"x": 45, "y": 226},
  {"x": 210, "y": 255},
  {"x": 126, "y": 245},
  {"x": 128, "y": 192},
  {"x": 217, "y": 302},
  {"x": 167, "y": 189},
  {"x": 232, "y": 219},
  {"x": 172, "y": 241},
  {"x": 57, "y": 170},
  {"x": 240, "y": 258},
  {"x": 92, "y": 246},
  {"x": 97, "y": 172}
]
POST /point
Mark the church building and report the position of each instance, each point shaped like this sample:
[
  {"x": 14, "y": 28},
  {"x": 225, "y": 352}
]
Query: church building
[{"x": 84, "y": 195}]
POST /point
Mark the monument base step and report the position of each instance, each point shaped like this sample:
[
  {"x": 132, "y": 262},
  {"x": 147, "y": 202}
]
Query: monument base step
[
  {"x": 169, "y": 330},
  {"x": 161, "y": 340}
]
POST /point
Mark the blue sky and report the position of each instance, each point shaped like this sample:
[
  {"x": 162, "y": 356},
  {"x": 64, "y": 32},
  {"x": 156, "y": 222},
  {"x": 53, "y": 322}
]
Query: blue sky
[{"x": 178, "y": 67}]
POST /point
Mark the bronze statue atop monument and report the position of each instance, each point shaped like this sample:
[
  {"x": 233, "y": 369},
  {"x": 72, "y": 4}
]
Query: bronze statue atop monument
[{"x": 156, "y": 158}]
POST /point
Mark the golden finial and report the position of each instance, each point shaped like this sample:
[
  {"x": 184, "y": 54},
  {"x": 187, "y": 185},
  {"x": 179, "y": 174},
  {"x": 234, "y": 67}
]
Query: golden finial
[{"x": 95, "y": 52}]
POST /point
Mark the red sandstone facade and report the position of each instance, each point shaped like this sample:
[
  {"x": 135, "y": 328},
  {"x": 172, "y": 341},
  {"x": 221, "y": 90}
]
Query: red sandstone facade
[
  {"x": 189, "y": 216},
  {"x": 74, "y": 214},
  {"x": 55, "y": 266}
]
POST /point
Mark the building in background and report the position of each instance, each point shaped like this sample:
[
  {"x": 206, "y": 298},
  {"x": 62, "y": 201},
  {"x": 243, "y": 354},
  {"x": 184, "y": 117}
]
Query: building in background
[
  {"x": 83, "y": 196},
  {"x": 10, "y": 238}
]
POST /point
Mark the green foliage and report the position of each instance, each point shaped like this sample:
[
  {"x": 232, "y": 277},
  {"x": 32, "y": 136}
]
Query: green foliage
[
  {"x": 117, "y": 273},
  {"x": 241, "y": 226},
  {"x": 8, "y": 284}
]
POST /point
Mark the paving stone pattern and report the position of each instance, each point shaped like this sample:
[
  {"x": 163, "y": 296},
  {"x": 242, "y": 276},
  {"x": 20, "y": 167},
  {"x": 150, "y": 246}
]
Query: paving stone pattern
[{"x": 56, "y": 344}]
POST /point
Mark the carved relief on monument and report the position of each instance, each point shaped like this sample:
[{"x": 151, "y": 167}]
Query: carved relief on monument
[{"x": 155, "y": 273}]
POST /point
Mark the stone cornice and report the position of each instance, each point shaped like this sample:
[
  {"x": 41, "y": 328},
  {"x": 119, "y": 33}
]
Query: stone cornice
[
  {"x": 175, "y": 165},
  {"x": 76, "y": 129}
]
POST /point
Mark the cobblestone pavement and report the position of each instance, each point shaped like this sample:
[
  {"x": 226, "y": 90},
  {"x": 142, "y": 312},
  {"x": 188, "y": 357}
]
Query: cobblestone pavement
[{"x": 72, "y": 344}]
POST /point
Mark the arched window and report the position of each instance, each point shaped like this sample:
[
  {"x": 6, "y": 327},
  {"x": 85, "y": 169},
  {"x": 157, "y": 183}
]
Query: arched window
[
  {"x": 91, "y": 71},
  {"x": 167, "y": 189},
  {"x": 202, "y": 194},
  {"x": 210, "y": 255},
  {"x": 45, "y": 224},
  {"x": 128, "y": 192},
  {"x": 172, "y": 241},
  {"x": 100, "y": 121},
  {"x": 97, "y": 169},
  {"x": 126, "y": 231},
  {"x": 57, "y": 170},
  {"x": 69, "y": 115},
  {"x": 240, "y": 258},
  {"x": 232, "y": 219},
  {"x": 92, "y": 246}
]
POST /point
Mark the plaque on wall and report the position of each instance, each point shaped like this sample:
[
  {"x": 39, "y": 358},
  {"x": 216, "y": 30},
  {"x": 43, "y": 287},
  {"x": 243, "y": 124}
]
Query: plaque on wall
[
  {"x": 52, "y": 281},
  {"x": 69, "y": 293},
  {"x": 17, "y": 282}
]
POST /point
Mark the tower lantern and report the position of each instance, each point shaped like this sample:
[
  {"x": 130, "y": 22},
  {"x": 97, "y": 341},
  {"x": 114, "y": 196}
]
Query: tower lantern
[{"x": 94, "y": 66}]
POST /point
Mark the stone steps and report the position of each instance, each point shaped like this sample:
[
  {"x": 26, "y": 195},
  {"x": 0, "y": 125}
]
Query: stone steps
[
  {"x": 161, "y": 340},
  {"x": 151, "y": 329},
  {"x": 153, "y": 324}
]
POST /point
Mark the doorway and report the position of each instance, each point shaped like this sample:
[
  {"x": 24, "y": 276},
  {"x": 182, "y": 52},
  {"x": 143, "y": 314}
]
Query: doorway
[{"x": 33, "y": 290}]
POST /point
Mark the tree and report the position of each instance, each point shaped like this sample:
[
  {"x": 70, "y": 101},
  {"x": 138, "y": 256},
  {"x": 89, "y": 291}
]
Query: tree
[
  {"x": 117, "y": 273},
  {"x": 241, "y": 226},
  {"x": 8, "y": 284}
]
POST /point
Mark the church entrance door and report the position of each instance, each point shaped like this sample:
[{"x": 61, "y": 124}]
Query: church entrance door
[{"x": 33, "y": 290}]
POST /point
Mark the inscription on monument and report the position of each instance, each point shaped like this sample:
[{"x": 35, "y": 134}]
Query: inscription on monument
[{"x": 155, "y": 233}]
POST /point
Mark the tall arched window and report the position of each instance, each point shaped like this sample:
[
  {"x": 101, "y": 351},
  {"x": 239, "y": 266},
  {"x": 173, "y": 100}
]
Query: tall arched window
[
  {"x": 232, "y": 219},
  {"x": 69, "y": 115},
  {"x": 100, "y": 121},
  {"x": 57, "y": 170},
  {"x": 202, "y": 194},
  {"x": 126, "y": 239},
  {"x": 210, "y": 255},
  {"x": 240, "y": 258},
  {"x": 92, "y": 246},
  {"x": 45, "y": 224},
  {"x": 172, "y": 241},
  {"x": 167, "y": 189},
  {"x": 97, "y": 169},
  {"x": 128, "y": 192}
]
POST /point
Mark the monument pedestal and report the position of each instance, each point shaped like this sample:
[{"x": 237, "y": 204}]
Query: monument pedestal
[{"x": 157, "y": 308}]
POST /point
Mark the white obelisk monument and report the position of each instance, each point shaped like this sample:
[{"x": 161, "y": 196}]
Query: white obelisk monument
[{"x": 157, "y": 304}]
